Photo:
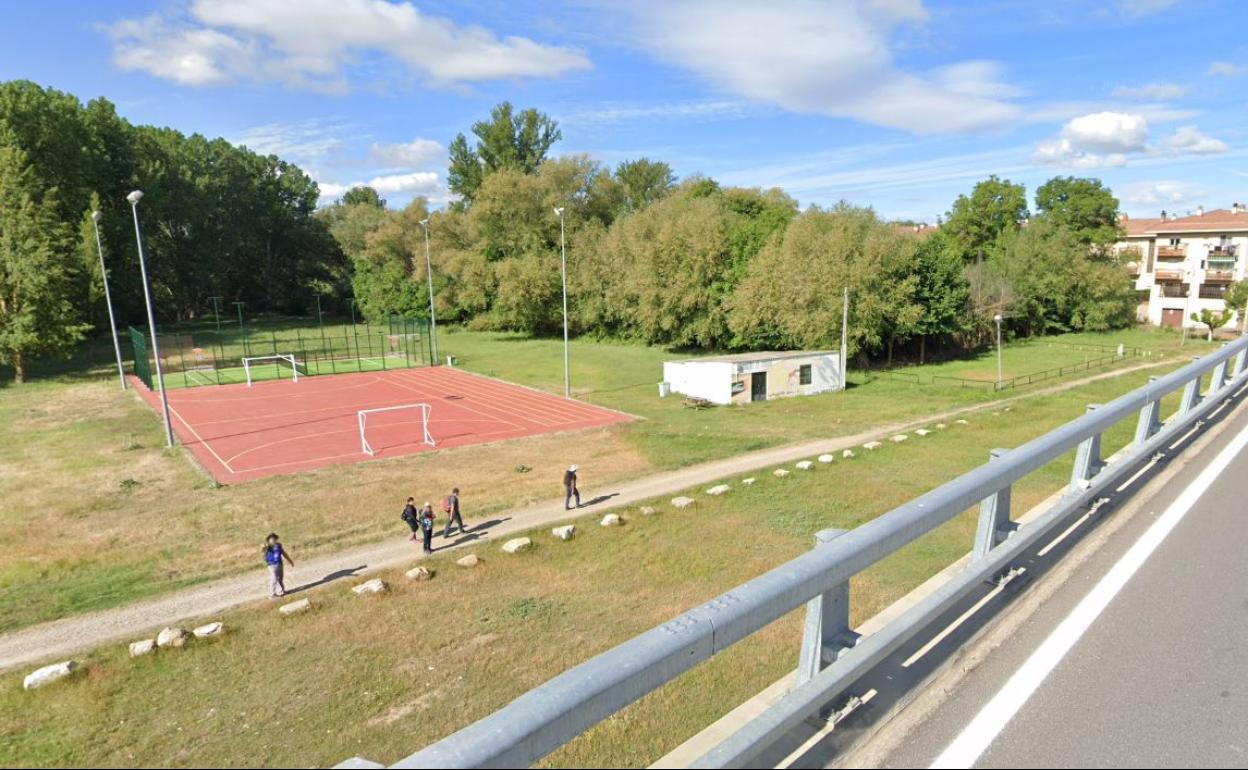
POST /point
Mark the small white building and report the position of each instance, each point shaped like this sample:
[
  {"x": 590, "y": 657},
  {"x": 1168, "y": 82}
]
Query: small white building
[{"x": 746, "y": 377}]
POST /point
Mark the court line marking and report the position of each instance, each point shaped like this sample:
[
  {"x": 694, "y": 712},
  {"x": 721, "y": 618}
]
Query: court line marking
[
  {"x": 200, "y": 439},
  {"x": 544, "y": 405},
  {"x": 975, "y": 739}
]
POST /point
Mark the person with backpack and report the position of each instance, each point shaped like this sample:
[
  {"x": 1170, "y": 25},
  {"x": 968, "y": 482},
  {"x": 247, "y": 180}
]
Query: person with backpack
[
  {"x": 569, "y": 488},
  {"x": 411, "y": 517},
  {"x": 273, "y": 555},
  {"x": 425, "y": 522},
  {"x": 450, "y": 506}
]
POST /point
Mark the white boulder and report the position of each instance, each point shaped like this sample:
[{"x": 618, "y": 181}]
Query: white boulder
[
  {"x": 648, "y": 510},
  {"x": 49, "y": 674},
  {"x": 826, "y": 458},
  {"x": 805, "y": 465},
  {"x": 682, "y": 502},
  {"x": 143, "y": 647},
  {"x": 294, "y": 608},
  {"x": 872, "y": 445},
  {"x": 848, "y": 453},
  {"x": 418, "y": 573},
  {"x": 941, "y": 426},
  {"x": 718, "y": 489},
  {"x": 171, "y": 637},
  {"x": 369, "y": 587},
  {"x": 922, "y": 432},
  {"x": 962, "y": 422},
  {"x": 564, "y": 533},
  {"x": 516, "y": 545},
  {"x": 208, "y": 629},
  {"x": 900, "y": 437},
  {"x": 471, "y": 560},
  {"x": 781, "y": 472},
  {"x": 749, "y": 482},
  {"x": 610, "y": 520}
]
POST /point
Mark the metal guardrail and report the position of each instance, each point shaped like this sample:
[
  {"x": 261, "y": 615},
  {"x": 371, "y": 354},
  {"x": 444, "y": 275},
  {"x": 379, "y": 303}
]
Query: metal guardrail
[{"x": 833, "y": 657}]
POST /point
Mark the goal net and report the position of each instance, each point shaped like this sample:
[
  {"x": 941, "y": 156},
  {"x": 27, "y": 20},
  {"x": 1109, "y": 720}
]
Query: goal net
[
  {"x": 256, "y": 365},
  {"x": 417, "y": 420}
]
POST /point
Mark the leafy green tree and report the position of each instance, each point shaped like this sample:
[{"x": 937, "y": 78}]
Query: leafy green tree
[
  {"x": 1085, "y": 206},
  {"x": 37, "y": 314},
  {"x": 363, "y": 196},
  {"x": 645, "y": 181},
  {"x": 942, "y": 291},
  {"x": 994, "y": 208},
  {"x": 386, "y": 279},
  {"x": 508, "y": 140},
  {"x": 1213, "y": 319}
]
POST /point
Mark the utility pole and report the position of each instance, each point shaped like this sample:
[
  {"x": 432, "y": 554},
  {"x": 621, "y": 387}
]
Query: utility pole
[
  {"x": 134, "y": 199},
  {"x": 845, "y": 341},
  {"x": 108, "y": 299},
  {"x": 563, "y": 266}
]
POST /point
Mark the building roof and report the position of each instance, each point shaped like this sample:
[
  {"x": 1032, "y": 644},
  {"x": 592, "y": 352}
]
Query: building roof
[
  {"x": 1218, "y": 220},
  {"x": 767, "y": 355},
  {"x": 1138, "y": 228}
]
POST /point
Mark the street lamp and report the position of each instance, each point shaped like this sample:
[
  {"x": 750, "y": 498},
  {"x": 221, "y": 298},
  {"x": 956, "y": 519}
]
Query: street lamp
[
  {"x": 998, "y": 319},
  {"x": 433, "y": 321},
  {"x": 134, "y": 199},
  {"x": 108, "y": 299},
  {"x": 563, "y": 267}
]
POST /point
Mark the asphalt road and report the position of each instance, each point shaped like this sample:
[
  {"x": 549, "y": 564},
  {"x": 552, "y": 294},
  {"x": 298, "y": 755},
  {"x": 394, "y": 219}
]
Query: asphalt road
[{"x": 1157, "y": 672}]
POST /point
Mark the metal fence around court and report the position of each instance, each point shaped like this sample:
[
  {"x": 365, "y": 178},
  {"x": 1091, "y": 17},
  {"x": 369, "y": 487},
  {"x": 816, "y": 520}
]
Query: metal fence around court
[
  {"x": 832, "y": 656},
  {"x": 204, "y": 354}
]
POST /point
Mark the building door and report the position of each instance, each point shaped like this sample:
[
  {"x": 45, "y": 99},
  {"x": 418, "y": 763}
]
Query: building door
[
  {"x": 758, "y": 386},
  {"x": 1172, "y": 318}
]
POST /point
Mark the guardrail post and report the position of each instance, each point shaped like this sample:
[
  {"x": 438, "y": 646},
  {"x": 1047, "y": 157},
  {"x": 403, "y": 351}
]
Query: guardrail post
[
  {"x": 827, "y": 634},
  {"x": 1150, "y": 420},
  {"x": 1218, "y": 380},
  {"x": 994, "y": 517},
  {"x": 1241, "y": 359},
  {"x": 1191, "y": 395},
  {"x": 1087, "y": 458}
]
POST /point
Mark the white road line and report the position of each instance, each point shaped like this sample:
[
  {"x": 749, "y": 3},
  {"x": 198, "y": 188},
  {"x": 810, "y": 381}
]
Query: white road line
[{"x": 997, "y": 713}]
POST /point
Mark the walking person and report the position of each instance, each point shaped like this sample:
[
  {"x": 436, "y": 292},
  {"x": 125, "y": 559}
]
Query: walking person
[
  {"x": 425, "y": 522},
  {"x": 273, "y": 555},
  {"x": 450, "y": 506},
  {"x": 411, "y": 516},
  {"x": 570, "y": 489}
]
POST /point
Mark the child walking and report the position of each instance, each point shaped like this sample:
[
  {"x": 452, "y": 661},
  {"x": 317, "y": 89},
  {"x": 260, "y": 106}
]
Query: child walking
[{"x": 273, "y": 555}]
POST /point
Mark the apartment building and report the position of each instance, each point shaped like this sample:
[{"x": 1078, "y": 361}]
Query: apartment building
[{"x": 1184, "y": 264}]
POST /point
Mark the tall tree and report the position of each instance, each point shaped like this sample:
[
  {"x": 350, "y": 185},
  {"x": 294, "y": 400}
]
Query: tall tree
[
  {"x": 363, "y": 196},
  {"x": 942, "y": 291},
  {"x": 508, "y": 140},
  {"x": 37, "y": 314},
  {"x": 1085, "y": 206},
  {"x": 995, "y": 207},
  {"x": 644, "y": 181}
]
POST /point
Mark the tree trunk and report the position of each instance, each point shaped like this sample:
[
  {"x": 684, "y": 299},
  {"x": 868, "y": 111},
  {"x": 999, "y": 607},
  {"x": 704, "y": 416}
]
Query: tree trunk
[
  {"x": 922, "y": 349},
  {"x": 19, "y": 367},
  {"x": 890, "y": 352}
]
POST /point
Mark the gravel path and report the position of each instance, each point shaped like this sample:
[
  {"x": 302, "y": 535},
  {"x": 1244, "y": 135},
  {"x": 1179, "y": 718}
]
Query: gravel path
[{"x": 60, "y": 638}]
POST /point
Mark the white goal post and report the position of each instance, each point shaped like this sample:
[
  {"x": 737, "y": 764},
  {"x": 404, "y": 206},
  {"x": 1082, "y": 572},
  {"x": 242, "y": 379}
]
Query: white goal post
[
  {"x": 288, "y": 358},
  {"x": 362, "y": 417}
]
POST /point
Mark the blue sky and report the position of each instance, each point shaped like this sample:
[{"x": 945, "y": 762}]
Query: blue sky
[{"x": 896, "y": 104}]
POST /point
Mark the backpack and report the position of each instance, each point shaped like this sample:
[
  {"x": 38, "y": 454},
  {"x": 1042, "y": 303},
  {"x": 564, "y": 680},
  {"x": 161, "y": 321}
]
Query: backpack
[
  {"x": 408, "y": 515},
  {"x": 446, "y": 504}
]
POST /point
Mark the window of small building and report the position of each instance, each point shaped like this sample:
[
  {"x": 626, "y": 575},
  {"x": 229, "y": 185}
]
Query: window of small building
[{"x": 804, "y": 374}]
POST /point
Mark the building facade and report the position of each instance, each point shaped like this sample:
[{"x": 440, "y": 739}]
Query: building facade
[
  {"x": 747, "y": 377},
  {"x": 1183, "y": 265}
]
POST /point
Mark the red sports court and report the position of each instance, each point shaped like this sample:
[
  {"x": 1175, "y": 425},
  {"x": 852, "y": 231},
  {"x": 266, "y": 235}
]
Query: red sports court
[{"x": 279, "y": 426}]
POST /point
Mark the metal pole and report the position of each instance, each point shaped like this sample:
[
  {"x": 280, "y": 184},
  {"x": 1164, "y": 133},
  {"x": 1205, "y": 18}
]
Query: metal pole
[
  {"x": 216, "y": 312},
  {"x": 845, "y": 341},
  {"x": 563, "y": 268},
  {"x": 433, "y": 321},
  {"x": 134, "y": 199},
  {"x": 108, "y": 299},
  {"x": 999, "y": 377}
]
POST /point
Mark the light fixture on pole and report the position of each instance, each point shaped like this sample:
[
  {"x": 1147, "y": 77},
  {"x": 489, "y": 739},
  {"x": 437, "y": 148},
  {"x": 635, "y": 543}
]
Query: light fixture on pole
[
  {"x": 108, "y": 299},
  {"x": 134, "y": 199},
  {"x": 563, "y": 268},
  {"x": 998, "y": 319},
  {"x": 433, "y": 321}
]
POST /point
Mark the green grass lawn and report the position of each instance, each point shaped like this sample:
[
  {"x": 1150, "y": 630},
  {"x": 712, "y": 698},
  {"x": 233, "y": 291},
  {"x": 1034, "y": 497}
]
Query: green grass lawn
[
  {"x": 383, "y": 676},
  {"x": 94, "y": 513}
]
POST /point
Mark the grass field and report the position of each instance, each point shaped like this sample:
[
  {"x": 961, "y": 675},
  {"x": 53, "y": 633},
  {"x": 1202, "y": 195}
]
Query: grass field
[
  {"x": 383, "y": 676},
  {"x": 94, "y": 512}
]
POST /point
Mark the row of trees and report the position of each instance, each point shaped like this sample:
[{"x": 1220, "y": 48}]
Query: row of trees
[
  {"x": 219, "y": 220},
  {"x": 700, "y": 265}
]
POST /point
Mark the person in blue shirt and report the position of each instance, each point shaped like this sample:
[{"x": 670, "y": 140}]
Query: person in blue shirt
[{"x": 273, "y": 555}]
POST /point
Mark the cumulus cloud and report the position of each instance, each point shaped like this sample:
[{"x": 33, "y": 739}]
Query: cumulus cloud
[
  {"x": 1107, "y": 132},
  {"x": 1109, "y": 138},
  {"x": 1188, "y": 140},
  {"x": 420, "y": 183},
  {"x": 414, "y": 154},
  {"x": 1152, "y": 92},
  {"x": 829, "y": 57},
  {"x": 311, "y": 44}
]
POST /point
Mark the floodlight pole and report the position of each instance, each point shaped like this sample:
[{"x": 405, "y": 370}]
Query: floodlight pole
[
  {"x": 998, "y": 319},
  {"x": 134, "y": 199},
  {"x": 108, "y": 299},
  {"x": 563, "y": 269},
  {"x": 216, "y": 312},
  {"x": 433, "y": 321},
  {"x": 845, "y": 341}
]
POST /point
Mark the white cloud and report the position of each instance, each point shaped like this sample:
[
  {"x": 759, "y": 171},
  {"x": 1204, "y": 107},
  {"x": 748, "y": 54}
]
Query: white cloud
[
  {"x": 308, "y": 142},
  {"x": 418, "y": 153},
  {"x": 830, "y": 58},
  {"x": 311, "y": 44},
  {"x": 1107, "y": 132},
  {"x": 620, "y": 113},
  {"x": 1227, "y": 69},
  {"x": 1188, "y": 140},
  {"x": 420, "y": 183},
  {"x": 1151, "y": 92},
  {"x": 1160, "y": 193},
  {"x": 1064, "y": 152}
]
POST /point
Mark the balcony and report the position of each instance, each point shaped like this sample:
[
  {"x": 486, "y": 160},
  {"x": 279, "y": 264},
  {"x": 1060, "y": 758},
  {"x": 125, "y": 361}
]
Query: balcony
[
  {"x": 1171, "y": 252},
  {"x": 1212, "y": 291},
  {"x": 1174, "y": 290},
  {"x": 1169, "y": 274},
  {"x": 1219, "y": 276}
]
